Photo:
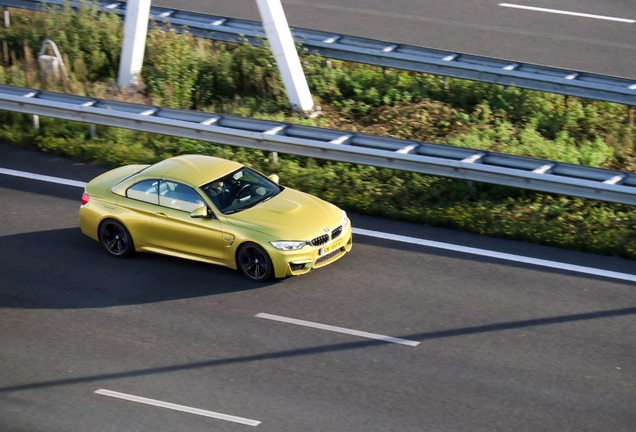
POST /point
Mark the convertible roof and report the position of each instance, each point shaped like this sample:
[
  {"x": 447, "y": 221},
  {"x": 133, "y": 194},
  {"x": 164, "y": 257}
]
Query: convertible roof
[{"x": 194, "y": 169}]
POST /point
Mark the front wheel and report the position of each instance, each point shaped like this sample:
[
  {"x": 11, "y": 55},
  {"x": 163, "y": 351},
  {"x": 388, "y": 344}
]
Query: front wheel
[
  {"x": 254, "y": 262},
  {"x": 115, "y": 238}
]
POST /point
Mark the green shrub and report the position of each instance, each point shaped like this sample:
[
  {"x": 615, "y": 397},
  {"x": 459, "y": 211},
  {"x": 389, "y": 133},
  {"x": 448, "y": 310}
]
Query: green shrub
[
  {"x": 90, "y": 40},
  {"x": 171, "y": 68}
]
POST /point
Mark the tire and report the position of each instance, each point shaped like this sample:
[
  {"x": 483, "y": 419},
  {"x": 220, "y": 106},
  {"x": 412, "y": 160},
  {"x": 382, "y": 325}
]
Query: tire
[
  {"x": 254, "y": 262},
  {"x": 115, "y": 238}
]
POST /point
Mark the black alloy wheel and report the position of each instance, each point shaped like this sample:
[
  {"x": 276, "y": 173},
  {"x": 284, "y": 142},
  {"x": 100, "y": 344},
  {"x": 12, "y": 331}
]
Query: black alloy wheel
[
  {"x": 254, "y": 262},
  {"x": 115, "y": 238}
]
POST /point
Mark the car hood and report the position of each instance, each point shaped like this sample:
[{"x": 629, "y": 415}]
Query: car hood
[{"x": 290, "y": 215}]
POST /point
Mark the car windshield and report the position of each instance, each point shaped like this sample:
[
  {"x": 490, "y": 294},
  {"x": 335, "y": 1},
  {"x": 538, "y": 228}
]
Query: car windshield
[{"x": 240, "y": 190}]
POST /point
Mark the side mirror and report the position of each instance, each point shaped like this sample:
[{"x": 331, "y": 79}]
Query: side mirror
[
  {"x": 201, "y": 212},
  {"x": 274, "y": 178}
]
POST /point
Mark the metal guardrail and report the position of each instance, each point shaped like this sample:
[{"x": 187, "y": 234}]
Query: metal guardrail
[
  {"x": 386, "y": 54},
  {"x": 358, "y": 148}
]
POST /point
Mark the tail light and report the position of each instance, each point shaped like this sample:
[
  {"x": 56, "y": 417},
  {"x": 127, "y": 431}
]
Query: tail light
[{"x": 85, "y": 198}]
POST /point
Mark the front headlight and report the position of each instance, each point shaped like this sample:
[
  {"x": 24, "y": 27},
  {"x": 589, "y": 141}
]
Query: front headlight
[
  {"x": 344, "y": 218},
  {"x": 288, "y": 245}
]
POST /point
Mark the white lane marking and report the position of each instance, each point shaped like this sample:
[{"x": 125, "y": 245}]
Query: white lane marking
[
  {"x": 178, "y": 407},
  {"x": 499, "y": 255},
  {"x": 404, "y": 239},
  {"x": 45, "y": 178},
  {"x": 562, "y": 12},
  {"x": 337, "y": 329}
]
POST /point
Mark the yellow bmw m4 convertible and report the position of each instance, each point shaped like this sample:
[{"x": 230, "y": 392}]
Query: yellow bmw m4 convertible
[{"x": 216, "y": 211}]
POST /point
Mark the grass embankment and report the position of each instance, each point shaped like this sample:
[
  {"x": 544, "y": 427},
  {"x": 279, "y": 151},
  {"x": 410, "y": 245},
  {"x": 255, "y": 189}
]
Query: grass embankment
[{"x": 185, "y": 72}]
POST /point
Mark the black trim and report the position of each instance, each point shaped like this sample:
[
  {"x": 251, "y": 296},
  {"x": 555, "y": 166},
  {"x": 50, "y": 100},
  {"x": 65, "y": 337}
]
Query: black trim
[{"x": 330, "y": 255}]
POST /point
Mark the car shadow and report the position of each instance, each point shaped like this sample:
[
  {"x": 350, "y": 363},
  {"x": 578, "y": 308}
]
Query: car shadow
[{"x": 64, "y": 269}]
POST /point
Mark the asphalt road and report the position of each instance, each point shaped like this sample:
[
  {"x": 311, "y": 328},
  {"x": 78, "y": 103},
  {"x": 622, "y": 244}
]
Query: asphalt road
[
  {"x": 479, "y": 27},
  {"x": 503, "y": 346}
]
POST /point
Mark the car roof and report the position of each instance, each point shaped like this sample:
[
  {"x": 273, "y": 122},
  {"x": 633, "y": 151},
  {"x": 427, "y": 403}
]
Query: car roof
[{"x": 193, "y": 169}]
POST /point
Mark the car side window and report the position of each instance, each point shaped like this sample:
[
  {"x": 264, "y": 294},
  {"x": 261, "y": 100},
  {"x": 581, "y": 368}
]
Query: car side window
[
  {"x": 146, "y": 191},
  {"x": 179, "y": 196}
]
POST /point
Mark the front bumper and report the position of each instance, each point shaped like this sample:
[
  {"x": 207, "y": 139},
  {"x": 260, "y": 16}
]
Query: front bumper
[{"x": 294, "y": 263}]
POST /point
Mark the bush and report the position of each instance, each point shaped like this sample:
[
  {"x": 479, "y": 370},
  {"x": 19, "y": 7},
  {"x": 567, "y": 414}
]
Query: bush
[{"x": 185, "y": 72}]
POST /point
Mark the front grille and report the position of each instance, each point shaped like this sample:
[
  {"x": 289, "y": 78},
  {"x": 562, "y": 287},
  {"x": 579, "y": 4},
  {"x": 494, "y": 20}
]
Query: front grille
[
  {"x": 323, "y": 239},
  {"x": 296, "y": 267},
  {"x": 320, "y": 240},
  {"x": 328, "y": 256},
  {"x": 336, "y": 232}
]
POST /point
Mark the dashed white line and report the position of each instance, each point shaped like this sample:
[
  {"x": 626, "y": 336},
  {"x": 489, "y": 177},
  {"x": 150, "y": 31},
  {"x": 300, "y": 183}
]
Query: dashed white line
[
  {"x": 41, "y": 177},
  {"x": 403, "y": 239},
  {"x": 499, "y": 255},
  {"x": 337, "y": 329},
  {"x": 562, "y": 12},
  {"x": 176, "y": 407}
]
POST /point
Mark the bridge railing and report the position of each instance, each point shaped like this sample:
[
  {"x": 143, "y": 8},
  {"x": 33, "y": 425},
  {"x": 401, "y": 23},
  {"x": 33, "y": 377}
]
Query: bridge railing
[
  {"x": 386, "y": 54},
  {"x": 421, "y": 157}
]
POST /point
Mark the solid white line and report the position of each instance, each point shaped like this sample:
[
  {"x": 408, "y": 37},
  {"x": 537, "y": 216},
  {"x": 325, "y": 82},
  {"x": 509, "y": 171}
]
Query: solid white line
[
  {"x": 404, "y": 239},
  {"x": 338, "y": 329},
  {"x": 45, "y": 178},
  {"x": 178, "y": 407},
  {"x": 499, "y": 255},
  {"x": 562, "y": 12}
]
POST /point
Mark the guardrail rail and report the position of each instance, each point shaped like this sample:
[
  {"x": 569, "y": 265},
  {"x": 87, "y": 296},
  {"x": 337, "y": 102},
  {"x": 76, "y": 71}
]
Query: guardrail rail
[
  {"x": 407, "y": 57},
  {"x": 421, "y": 157}
]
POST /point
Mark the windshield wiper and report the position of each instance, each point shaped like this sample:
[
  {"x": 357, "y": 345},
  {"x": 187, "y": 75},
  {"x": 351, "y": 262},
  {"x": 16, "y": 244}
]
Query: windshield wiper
[
  {"x": 257, "y": 203},
  {"x": 261, "y": 201},
  {"x": 266, "y": 199}
]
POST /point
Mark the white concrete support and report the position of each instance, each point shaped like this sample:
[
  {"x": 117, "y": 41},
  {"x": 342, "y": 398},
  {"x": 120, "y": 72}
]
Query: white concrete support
[
  {"x": 284, "y": 50},
  {"x": 132, "y": 52}
]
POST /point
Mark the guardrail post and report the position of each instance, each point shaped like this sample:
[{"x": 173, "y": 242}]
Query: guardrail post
[
  {"x": 36, "y": 122},
  {"x": 7, "y": 18},
  {"x": 132, "y": 51},
  {"x": 284, "y": 50}
]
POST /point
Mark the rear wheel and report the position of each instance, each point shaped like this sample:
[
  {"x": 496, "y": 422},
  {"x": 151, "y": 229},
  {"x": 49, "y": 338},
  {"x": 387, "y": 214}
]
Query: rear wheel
[
  {"x": 115, "y": 238},
  {"x": 254, "y": 262}
]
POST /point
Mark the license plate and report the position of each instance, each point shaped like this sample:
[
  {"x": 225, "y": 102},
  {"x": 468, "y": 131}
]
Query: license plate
[{"x": 333, "y": 246}]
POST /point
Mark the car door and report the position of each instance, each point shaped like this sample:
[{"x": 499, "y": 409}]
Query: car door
[{"x": 174, "y": 229}]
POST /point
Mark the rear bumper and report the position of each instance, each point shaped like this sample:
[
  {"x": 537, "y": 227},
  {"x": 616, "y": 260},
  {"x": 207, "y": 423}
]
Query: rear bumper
[{"x": 89, "y": 220}]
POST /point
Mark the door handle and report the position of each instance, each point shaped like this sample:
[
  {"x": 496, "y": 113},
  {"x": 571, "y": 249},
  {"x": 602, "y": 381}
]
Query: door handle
[{"x": 161, "y": 214}]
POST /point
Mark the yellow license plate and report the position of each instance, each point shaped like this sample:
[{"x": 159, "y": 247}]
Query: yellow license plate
[{"x": 333, "y": 246}]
